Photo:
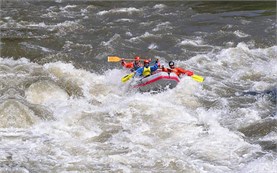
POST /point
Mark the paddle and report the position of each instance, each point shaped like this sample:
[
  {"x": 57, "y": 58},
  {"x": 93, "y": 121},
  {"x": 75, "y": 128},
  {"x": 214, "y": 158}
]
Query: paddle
[
  {"x": 197, "y": 78},
  {"x": 127, "y": 77},
  {"x": 117, "y": 59}
]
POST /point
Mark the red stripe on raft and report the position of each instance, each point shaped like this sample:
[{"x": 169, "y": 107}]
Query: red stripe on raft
[{"x": 156, "y": 79}]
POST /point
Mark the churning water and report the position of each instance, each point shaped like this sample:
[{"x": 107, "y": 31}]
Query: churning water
[{"x": 63, "y": 107}]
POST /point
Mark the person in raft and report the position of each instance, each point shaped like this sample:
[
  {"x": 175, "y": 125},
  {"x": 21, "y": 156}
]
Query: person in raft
[
  {"x": 147, "y": 70},
  {"x": 177, "y": 70},
  {"x": 132, "y": 65}
]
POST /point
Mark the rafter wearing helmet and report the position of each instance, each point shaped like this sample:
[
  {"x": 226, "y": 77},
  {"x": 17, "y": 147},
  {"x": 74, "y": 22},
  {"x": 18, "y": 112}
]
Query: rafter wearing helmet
[
  {"x": 147, "y": 70},
  {"x": 132, "y": 65},
  {"x": 177, "y": 70}
]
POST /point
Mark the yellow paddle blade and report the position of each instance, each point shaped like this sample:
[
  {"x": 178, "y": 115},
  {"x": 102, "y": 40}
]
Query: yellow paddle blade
[
  {"x": 197, "y": 78},
  {"x": 114, "y": 59},
  {"x": 127, "y": 77}
]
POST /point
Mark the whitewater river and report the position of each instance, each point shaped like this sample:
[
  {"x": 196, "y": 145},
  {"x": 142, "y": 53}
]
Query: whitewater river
[{"x": 64, "y": 109}]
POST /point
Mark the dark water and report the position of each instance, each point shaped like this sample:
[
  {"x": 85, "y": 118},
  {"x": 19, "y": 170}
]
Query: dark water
[
  {"x": 64, "y": 109},
  {"x": 86, "y": 32}
]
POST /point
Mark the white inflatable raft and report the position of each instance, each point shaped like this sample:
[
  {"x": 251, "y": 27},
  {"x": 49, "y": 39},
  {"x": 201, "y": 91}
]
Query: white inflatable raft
[{"x": 157, "y": 82}]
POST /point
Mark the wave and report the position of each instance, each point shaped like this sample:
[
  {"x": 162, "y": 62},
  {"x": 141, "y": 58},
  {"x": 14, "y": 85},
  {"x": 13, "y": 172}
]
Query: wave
[
  {"x": 129, "y": 10},
  {"x": 68, "y": 112}
]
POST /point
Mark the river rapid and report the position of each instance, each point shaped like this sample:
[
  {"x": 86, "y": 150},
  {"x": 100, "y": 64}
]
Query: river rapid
[{"x": 63, "y": 107}]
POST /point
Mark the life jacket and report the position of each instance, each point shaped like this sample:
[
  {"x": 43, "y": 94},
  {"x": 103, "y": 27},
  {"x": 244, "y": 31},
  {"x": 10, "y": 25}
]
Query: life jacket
[
  {"x": 146, "y": 71},
  {"x": 176, "y": 71},
  {"x": 180, "y": 71}
]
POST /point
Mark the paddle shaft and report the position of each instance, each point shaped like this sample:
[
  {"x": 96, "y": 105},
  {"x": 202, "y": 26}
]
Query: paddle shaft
[{"x": 117, "y": 59}]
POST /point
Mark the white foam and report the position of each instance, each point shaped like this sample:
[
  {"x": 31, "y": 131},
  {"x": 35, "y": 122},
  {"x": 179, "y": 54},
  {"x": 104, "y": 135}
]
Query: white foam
[
  {"x": 241, "y": 34},
  {"x": 153, "y": 46},
  {"x": 197, "y": 42},
  {"x": 159, "y": 6},
  {"x": 125, "y": 20},
  {"x": 43, "y": 92},
  {"x": 163, "y": 26},
  {"x": 11, "y": 61},
  {"x": 67, "y": 7},
  {"x": 129, "y": 10},
  {"x": 112, "y": 39},
  {"x": 145, "y": 35},
  {"x": 31, "y": 46},
  {"x": 176, "y": 127},
  {"x": 267, "y": 163}
]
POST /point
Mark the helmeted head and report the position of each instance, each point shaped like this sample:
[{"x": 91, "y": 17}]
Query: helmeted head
[
  {"x": 137, "y": 58},
  {"x": 146, "y": 63},
  {"x": 171, "y": 64}
]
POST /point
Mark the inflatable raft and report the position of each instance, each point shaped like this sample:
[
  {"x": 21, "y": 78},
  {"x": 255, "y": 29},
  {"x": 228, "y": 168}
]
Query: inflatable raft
[{"x": 157, "y": 82}]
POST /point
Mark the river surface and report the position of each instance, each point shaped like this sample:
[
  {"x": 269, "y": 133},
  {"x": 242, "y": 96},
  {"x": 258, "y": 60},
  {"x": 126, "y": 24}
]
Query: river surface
[{"x": 64, "y": 109}]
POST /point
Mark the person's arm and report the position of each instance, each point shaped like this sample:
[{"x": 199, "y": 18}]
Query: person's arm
[
  {"x": 187, "y": 72},
  {"x": 139, "y": 71},
  {"x": 127, "y": 65},
  {"x": 155, "y": 67},
  {"x": 166, "y": 69}
]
